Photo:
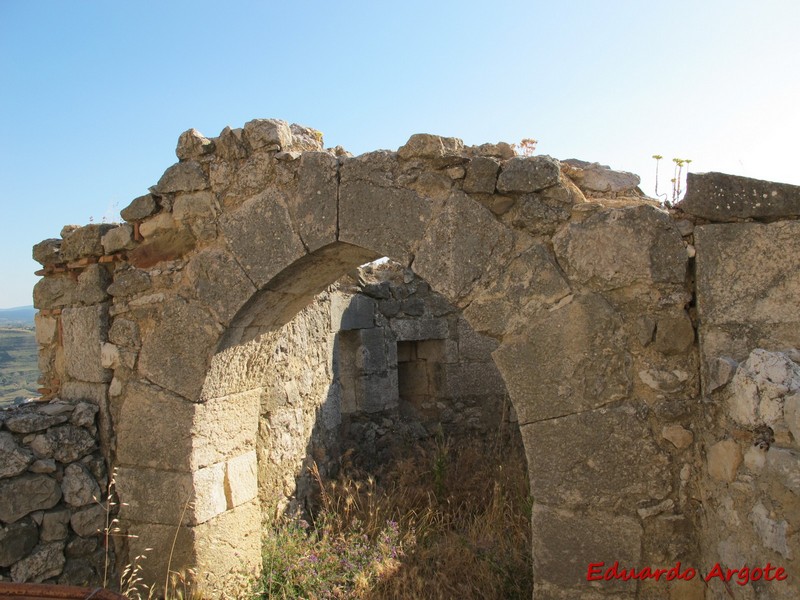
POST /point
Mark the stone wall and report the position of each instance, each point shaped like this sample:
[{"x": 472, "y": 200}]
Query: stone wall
[
  {"x": 624, "y": 335},
  {"x": 373, "y": 365},
  {"x": 53, "y": 508}
]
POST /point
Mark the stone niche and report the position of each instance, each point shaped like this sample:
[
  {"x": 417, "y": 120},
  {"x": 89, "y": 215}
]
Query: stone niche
[{"x": 374, "y": 365}]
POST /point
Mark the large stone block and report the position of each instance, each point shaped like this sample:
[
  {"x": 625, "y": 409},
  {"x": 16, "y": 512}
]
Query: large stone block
[
  {"x": 375, "y": 212},
  {"x": 153, "y": 428},
  {"x": 224, "y": 427},
  {"x": 152, "y": 545},
  {"x": 16, "y": 541},
  {"x": 219, "y": 283},
  {"x": 229, "y": 550},
  {"x": 155, "y": 496},
  {"x": 426, "y": 328},
  {"x": 463, "y": 244},
  {"x": 262, "y": 222},
  {"x": 605, "y": 459},
  {"x": 182, "y": 177},
  {"x": 176, "y": 351},
  {"x": 747, "y": 273},
  {"x": 84, "y": 241},
  {"x": 85, "y": 330},
  {"x": 571, "y": 359},
  {"x": 721, "y": 197},
  {"x": 565, "y": 543},
  {"x": 13, "y": 458},
  {"x": 44, "y": 562},
  {"x": 617, "y": 247},
  {"x": 528, "y": 174},
  {"x": 351, "y": 312},
  {"x": 481, "y": 175},
  {"x": 313, "y": 203},
  {"x": 505, "y": 302}
]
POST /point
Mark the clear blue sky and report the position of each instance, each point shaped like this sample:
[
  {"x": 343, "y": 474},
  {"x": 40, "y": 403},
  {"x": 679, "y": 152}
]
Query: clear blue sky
[{"x": 95, "y": 94}]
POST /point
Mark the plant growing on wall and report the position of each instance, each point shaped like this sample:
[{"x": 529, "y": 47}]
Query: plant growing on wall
[
  {"x": 676, "y": 181},
  {"x": 526, "y": 147}
]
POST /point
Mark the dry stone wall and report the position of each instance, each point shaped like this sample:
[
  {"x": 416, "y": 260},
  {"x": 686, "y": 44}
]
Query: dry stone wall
[
  {"x": 52, "y": 495},
  {"x": 620, "y": 331}
]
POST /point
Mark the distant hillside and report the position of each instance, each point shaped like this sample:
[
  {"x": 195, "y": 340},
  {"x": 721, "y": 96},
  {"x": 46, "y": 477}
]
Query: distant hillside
[
  {"x": 19, "y": 367},
  {"x": 22, "y": 315}
]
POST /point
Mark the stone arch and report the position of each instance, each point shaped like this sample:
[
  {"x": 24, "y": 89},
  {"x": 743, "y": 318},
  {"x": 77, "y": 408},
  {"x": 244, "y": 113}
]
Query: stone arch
[{"x": 584, "y": 288}]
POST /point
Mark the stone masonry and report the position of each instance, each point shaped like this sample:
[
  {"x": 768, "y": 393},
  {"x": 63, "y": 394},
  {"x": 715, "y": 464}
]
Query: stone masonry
[{"x": 650, "y": 356}]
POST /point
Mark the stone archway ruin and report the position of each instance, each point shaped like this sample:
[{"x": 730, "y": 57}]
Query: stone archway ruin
[{"x": 588, "y": 287}]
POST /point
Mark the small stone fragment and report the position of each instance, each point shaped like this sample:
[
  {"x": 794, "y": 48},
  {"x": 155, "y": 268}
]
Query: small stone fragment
[
  {"x": 678, "y": 436},
  {"x": 724, "y": 459}
]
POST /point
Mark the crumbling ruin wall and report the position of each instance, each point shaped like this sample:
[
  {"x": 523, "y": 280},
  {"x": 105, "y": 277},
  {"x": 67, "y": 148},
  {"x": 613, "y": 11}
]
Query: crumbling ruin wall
[
  {"x": 618, "y": 325},
  {"x": 345, "y": 385}
]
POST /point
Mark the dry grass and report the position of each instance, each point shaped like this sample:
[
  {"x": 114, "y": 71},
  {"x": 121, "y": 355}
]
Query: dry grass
[{"x": 449, "y": 522}]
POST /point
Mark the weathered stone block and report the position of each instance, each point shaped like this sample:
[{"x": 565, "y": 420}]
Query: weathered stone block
[
  {"x": 721, "y": 197},
  {"x": 92, "y": 284},
  {"x": 154, "y": 496},
  {"x": 572, "y": 359},
  {"x": 175, "y": 354},
  {"x": 193, "y": 144},
  {"x": 85, "y": 329},
  {"x": 611, "y": 461},
  {"x": 425, "y": 145},
  {"x": 129, "y": 281},
  {"x": 117, "y": 239},
  {"x": 371, "y": 354},
  {"x": 566, "y": 543},
  {"x": 674, "y": 334},
  {"x": 377, "y": 392},
  {"x": 65, "y": 443},
  {"x": 48, "y": 252},
  {"x": 595, "y": 177},
  {"x": 528, "y": 174},
  {"x": 219, "y": 283},
  {"x": 164, "y": 420},
  {"x": 44, "y": 562},
  {"x": 194, "y": 205},
  {"x": 313, "y": 204},
  {"x": 746, "y": 272},
  {"x": 16, "y": 541},
  {"x": 84, "y": 241},
  {"x": 463, "y": 244},
  {"x": 367, "y": 196},
  {"x": 30, "y": 421},
  {"x": 14, "y": 459},
  {"x": 182, "y": 177},
  {"x": 89, "y": 521},
  {"x": 419, "y": 329},
  {"x": 351, "y": 312},
  {"x": 79, "y": 487},
  {"x": 22, "y": 495},
  {"x": 261, "y": 222},
  {"x": 225, "y": 427},
  {"x": 531, "y": 280},
  {"x": 55, "y": 524},
  {"x": 54, "y": 292},
  {"x": 140, "y": 208},
  {"x": 229, "y": 549},
  {"x": 267, "y": 134},
  {"x": 621, "y": 246},
  {"x": 481, "y": 176}
]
